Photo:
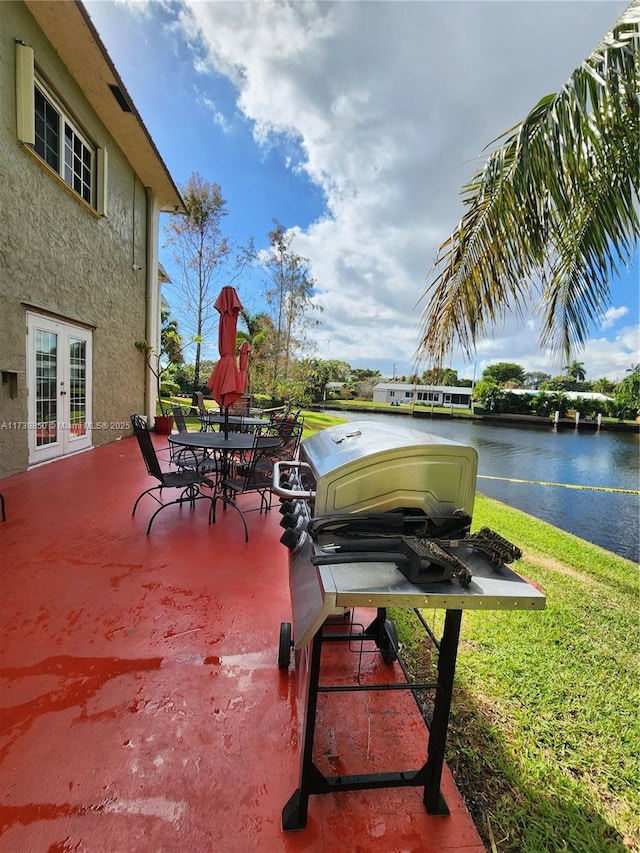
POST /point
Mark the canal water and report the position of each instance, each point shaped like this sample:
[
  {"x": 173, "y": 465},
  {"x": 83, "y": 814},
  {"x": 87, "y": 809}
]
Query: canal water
[{"x": 596, "y": 461}]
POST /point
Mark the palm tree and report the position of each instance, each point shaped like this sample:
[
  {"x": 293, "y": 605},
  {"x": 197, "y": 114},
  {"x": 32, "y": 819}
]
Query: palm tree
[
  {"x": 258, "y": 332},
  {"x": 576, "y": 371},
  {"x": 553, "y": 213}
]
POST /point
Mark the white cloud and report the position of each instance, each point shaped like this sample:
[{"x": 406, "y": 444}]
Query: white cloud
[
  {"x": 601, "y": 357},
  {"x": 613, "y": 315},
  {"x": 218, "y": 117},
  {"x": 391, "y": 104}
]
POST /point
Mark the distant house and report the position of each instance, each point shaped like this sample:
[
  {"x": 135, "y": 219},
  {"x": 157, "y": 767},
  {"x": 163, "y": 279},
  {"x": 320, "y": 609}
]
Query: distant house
[
  {"x": 422, "y": 395},
  {"x": 82, "y": 189}
]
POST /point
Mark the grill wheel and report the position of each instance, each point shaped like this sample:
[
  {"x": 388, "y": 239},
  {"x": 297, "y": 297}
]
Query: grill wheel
[
  {"x": 284, "y": 646},
  {"x": 387, "y": 641}
]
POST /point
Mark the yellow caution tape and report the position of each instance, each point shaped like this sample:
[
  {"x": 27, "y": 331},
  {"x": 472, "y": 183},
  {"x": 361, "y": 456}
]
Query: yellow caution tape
[{"x": 562, "y": 485}]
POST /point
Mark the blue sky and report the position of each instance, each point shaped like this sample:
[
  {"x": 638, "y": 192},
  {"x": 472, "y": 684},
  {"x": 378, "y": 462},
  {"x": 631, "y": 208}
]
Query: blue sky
[{"x": 355, "y": 124}]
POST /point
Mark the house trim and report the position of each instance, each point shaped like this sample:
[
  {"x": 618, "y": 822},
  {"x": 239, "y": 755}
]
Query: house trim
[{"x": 56, "y": 315}]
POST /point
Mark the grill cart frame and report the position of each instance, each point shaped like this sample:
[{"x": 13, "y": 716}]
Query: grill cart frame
[
  {"x": 373, "y": 478},
  {"x": 382, "y": 585}
]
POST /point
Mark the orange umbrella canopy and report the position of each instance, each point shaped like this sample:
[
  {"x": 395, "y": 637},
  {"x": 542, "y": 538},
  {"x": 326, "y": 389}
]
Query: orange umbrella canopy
[{"x": 225, "y": 381}]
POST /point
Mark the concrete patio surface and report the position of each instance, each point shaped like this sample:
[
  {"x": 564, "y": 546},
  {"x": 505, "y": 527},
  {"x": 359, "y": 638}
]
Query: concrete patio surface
[{"x": 142, "y": 705}]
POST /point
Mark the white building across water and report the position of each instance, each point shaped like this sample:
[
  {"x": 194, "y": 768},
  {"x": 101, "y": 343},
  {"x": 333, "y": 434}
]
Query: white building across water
[{"x": 398, "y": 393}]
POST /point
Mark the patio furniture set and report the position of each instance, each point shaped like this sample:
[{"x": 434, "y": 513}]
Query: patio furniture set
[{"x": 225, "y": 464}]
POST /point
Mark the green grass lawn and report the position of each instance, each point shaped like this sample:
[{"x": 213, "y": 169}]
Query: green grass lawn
[
  {"x": 545, "y": 739},
  {"x": 313, "y": 421}
]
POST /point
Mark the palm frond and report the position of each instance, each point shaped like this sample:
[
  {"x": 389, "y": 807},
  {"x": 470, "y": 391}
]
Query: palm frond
[{"x": 555, "y": 208}]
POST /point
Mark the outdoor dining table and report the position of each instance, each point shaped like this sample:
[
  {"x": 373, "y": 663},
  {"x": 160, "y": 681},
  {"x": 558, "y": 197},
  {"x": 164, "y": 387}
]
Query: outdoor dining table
[
  {"x": 249, "y": 423},
  {"x": 234, "y": 442}
]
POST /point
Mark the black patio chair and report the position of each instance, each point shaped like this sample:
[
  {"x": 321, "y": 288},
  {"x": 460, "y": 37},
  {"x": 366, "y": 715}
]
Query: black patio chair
[
  {"x": 188, "y": 480},
  {"x": 203, "y": 412},
  {"x": 286, "y": 414},
  {"x": 245, "y": 477},
  {"x": 178, "y": 418},
  {"x": 290, "y": 434},
  {"x": 235, "y": 422},
  {"x": 4, "y": 517},
  {"x": 188, "y": 457}
]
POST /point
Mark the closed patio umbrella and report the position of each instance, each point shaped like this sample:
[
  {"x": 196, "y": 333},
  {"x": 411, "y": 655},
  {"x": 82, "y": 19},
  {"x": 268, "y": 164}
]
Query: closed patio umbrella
[{"x": 225, "y": 381}]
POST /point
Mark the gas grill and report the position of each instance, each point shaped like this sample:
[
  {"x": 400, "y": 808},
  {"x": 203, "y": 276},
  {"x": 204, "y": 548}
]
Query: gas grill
[{"x": 379, "y": 516}]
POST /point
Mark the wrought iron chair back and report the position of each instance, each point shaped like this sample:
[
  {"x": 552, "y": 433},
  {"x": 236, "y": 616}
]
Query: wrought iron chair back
[
  {"x": 190, "y": 457},
  {"x": 200, "y": 402},
  {"x": 290, "y": 435},
  {"x": 151, "y": 461},
  {"x": 246, "y": 477},
  {"x": 188, "y": 480},
  {"x": 203, "y": 412},
  {"x": 238, "y": 424},
  {"x": 178, "y": 417}
]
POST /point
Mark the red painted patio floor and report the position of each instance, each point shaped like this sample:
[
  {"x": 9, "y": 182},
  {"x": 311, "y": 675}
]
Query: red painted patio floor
[{"x": 142, "y": 705}]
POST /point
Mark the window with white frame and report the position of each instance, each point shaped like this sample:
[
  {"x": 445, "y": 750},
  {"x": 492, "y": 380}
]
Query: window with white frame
[
  {"x": 46, "y": 126},
  {"x": 61, "y": 145}
]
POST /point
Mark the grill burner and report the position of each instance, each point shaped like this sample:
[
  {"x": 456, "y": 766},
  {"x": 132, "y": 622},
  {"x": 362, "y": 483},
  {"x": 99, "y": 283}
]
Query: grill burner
[
  {"x": 420, "y": 560},
  {"x": 421, "y": 557}
]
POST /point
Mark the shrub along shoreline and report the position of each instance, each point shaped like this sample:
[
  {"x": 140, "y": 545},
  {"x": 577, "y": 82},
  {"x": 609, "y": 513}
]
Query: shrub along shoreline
[{"x": 420, "y": 411}]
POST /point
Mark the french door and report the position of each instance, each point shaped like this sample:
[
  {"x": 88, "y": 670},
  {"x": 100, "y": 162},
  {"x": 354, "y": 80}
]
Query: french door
[{"x": 59, "y": 357}]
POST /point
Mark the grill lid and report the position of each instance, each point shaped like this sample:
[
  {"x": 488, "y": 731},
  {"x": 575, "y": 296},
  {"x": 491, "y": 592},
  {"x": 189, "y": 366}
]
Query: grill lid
[{"x": 370, "y": 466}]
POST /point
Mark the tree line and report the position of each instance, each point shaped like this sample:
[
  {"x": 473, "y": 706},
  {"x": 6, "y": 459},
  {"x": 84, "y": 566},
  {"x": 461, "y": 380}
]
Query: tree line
[
  {"x": 206, "y": 260},
  {"x": 494, "y": 391}
]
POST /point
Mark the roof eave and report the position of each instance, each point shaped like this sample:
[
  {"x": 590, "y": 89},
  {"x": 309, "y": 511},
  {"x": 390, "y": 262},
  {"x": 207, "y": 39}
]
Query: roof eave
[{"x": 72, "y": 34}]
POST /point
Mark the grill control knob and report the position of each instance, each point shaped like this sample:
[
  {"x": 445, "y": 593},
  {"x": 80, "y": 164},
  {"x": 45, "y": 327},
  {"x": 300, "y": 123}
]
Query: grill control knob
[
  {"x": 290, "y": 538},
  {"x": 288, "y": 520},
  {"x": 286, "y": 506}
]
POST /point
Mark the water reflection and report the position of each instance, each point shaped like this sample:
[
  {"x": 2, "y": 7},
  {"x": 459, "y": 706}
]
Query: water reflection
[{"x": 596, "y": 459}]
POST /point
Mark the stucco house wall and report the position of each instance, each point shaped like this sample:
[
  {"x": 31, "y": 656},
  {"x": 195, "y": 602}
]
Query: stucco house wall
[{"x": 61, "y": 259}]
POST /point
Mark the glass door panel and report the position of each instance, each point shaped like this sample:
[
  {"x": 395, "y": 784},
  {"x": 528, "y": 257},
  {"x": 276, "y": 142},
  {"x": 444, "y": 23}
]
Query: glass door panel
[
  {"x": 77, "y": 387},
  {"x": 46, "y": 420},
  {"x": 59, "y": 367}
]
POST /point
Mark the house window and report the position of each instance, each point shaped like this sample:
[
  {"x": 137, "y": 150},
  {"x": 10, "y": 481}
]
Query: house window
[
  {"x": 46, "y": 127},
  {"x": 460, "y": 400},
  {"x": 61, "y": 145}
]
